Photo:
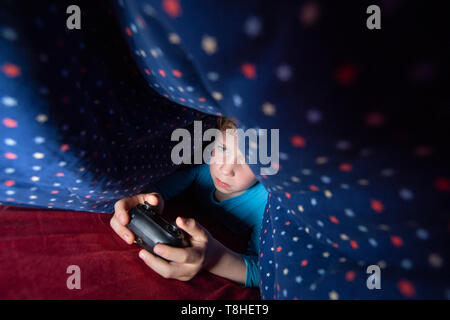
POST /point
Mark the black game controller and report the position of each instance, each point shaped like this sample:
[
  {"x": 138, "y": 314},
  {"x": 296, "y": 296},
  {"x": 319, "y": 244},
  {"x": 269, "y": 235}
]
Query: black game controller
[{"x": 150, "y": 228}]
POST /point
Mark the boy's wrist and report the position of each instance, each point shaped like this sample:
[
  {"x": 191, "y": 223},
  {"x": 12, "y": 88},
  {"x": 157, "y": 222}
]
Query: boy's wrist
[{"x": 214, "y": 252}]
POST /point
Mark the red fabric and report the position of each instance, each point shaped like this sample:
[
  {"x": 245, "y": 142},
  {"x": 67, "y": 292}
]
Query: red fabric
[{"x": 37, "y": 246}]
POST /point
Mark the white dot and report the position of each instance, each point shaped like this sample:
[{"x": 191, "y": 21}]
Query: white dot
[
  {"x": 284, "y": 72},
  {"x": 38, "y": 155},
  {"x": 9, "y": 101},
  {"x": 36, "y": 168},
  {"x": 35, "y": 178},
  {"x": 10, "y": 142},
  {"x": 10, "y": 170},
  {"x": 39, "y": 140}
]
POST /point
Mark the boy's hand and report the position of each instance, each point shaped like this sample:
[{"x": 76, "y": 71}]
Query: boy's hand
[
  {"x": 121, "y": 218},
  {"x": 184, "y": 263}
]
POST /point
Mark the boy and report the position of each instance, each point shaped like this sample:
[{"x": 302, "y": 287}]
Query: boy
[{"x": 226, "y": 186}]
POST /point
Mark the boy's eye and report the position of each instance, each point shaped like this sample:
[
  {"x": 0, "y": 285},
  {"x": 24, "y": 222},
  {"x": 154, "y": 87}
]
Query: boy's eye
[{"x": 222, "y": 148}]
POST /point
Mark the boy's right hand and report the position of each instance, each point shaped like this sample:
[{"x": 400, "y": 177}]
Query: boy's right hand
[{"x": 121, "y": 218}]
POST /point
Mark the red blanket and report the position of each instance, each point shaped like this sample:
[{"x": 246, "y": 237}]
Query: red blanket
[{"x": 37, "y": 247}]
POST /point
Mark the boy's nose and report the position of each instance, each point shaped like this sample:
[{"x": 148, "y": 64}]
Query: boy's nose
[{"x": 227, "y": 169}]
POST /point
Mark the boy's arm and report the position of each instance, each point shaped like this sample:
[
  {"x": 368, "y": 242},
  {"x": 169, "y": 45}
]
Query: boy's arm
[
  {"x": 176, "y": 182},
  {"x": 226, "y": 263}
]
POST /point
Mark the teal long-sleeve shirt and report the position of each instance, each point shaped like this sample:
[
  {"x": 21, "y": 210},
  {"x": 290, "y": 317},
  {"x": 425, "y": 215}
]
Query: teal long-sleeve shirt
[{"x": 242, "y": 213}]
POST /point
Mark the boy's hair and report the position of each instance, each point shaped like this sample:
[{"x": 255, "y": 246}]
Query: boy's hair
[{"x": 224, "y": 123}]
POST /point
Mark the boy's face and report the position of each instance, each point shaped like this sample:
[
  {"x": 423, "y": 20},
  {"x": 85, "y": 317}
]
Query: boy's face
[{"x": 229, "y": 172}]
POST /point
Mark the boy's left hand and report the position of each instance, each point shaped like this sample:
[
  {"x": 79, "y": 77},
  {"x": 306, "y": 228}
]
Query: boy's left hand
[{"x": 184, "y": 263}]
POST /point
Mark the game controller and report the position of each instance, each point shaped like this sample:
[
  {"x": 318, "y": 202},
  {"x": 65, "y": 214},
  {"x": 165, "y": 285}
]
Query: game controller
[{"x": 150, "y": 228}]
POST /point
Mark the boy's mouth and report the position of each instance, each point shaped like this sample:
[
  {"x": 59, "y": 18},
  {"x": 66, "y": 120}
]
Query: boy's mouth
[{"x": 222, "y": 184}]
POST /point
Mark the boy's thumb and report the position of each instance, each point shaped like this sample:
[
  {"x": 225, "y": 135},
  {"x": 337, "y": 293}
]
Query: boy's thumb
[{"x": 193, "y": 228}]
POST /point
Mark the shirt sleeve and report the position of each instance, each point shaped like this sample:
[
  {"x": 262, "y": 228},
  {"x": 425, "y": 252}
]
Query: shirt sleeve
[
  {"x": 252, "y": 274},
  {"x": 251, "y": 259},
  {"x": 175, "y": 183}
]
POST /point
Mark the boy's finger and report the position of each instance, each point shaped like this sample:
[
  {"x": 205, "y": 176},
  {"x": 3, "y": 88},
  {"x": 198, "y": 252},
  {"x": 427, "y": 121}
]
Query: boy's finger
[
  {"x": 122, "y": 231},
  {"x": 121, "y": 208},
  {"x": 155, "y": 199},
  {"x": 193, "y": 228},
  {"x": 179, "y": 255},
  {"x": 163, "y": 268}
]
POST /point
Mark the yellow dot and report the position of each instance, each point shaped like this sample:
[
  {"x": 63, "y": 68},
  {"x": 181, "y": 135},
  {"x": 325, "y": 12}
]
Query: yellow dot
[
  {"x": 42, "y": 118},
  {"x": 154, "y": 53},
  {"x": 326, "y": 254},
  {"x": 328, "y": 194},
  {"x": 435, "y": 260},
  {"x": 363, "y": 182},
  {"x": 344, "y": 236},
  {"x": 209, "y": 44},
  {"x": 217, "y": 95},
  {"x": 268, "y": 109},
  {"x": 307, "y": 230},
  {"x": 295, "y": 239},
  {"x": 333, "y": 295},
  {"x": 285, "y": 271},
  {"x": 174, "y": 38},
  {"x": 295, "y": 179},
  {"x": 342, "y": 259},
  {"x": 300, "y": 208},
  {"x": 321, "y": 160}
]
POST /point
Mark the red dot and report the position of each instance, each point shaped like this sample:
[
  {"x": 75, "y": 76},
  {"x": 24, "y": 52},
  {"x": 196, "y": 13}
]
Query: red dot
[
  {"x": 346, "y": 74},
  {"x": 10, "y": 155},
  {"x": 304, "y": 263},
  {"x": 406, "y": 288},
  {"x": 288, "y": 195},
  {"x": 313, "y": 188},
  {"x": 11, "y": 70},
  {"x": 64, "y": 147},
  {"x": 88, "y": 196},
  {"x": 334, "y": 219},
  {"x": 172, "y": 8},
  {"x": 298, "y": 141},
  {"x": 345, "y": 167},
  {"x": 10, "y": 123},
  {"x": 279, "y": 249},
  {"x": 350, "y": 275},
  {"x": 374, "y": 119},
  {"x": 54, "y": 192},
  {"x": 182, "y": 99},
  {"x": 354, "y": 244},
  {"x": 177, "y": 73},
  {"x": 376, "y": 206},
  {"x": 335, "y": 245},
  {"x": 442, "y": 184},
  {"x": 248, "y": 70},
  {"x": 128, "y": 31},
  {"x": 60, "y": 174},
  {"x": 10, "y": 183},
  {"x": 147, "y": 71},
  {"x": 397, "y": 241},
  {"x": 287, "y": 223},
  {"x": 162, "y": 73}
]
